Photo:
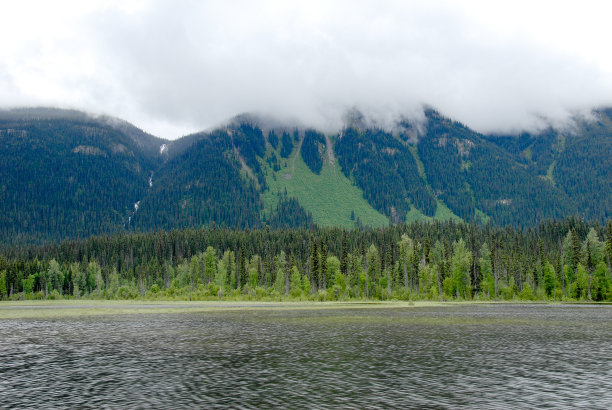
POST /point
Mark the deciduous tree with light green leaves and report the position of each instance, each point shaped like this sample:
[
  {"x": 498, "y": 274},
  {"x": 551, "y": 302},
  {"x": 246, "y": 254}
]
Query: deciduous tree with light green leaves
[
  {"x": 295, "y": 289},
  {"x": 460, "y": 268},
  {"x": 428, "y": 281},
  {"x": 550, "y": 279},
  {"x": 601, "y": 288},
  {"x": 221, "y": 277},
  {"x": 28, "y": 284},
  {"x": 55, "y": 276},
  {"x": 78, "y": 279},
  {"x": 580, "y": 288},
  {"x": 210, "y": 265}
]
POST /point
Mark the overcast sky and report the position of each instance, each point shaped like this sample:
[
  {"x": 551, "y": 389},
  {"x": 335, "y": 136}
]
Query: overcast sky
[{"x": 174, "y": 67}]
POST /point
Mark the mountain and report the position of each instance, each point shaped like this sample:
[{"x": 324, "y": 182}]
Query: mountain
[
  {"x": 576, "y": 162},
  {"x": 66, "y": 174}
]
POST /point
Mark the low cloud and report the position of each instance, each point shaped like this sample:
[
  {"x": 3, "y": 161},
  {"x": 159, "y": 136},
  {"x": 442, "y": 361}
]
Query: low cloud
[{"x": 177, "y": 67}]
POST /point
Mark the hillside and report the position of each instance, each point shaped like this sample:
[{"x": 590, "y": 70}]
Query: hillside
[{"x": 68, "y": 174}]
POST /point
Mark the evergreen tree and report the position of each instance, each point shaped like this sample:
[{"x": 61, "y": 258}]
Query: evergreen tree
[
  {"x": 438, "y": 259},
  {"x": 344, "y": 258},
  {"x": 229, "y": 262},
  {"x": 539, "y": 265},
  {"x": 609, "y": 244},
  {"x": 373, "y": 269},
  {"x": 426, "y": 248},
  {"x": 487, "y": 285},
  {"x": 323, "y": 265},
  {"x": 3, "y": 293},
  {"x": 406, "y": 247},
  {"x": 314, "y": 264},
  {"x": 575, "y": 242},
  {"x": 241, "y": 270},
  {"x": 280, "y": 266}
]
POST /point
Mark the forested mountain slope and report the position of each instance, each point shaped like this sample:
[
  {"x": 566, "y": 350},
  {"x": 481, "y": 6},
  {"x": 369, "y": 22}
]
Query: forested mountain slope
[
  {"x": 68, "y": 174},
  {"x": 472, "y": 174},
  {"x": 577, "y": 161},
  {"x": 204, "y": 185}
]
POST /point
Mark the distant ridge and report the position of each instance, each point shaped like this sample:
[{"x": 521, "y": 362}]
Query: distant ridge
[{"x": 66, "y": 173}]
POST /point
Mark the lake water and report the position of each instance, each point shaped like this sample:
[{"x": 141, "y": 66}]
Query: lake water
[{"x": 486, "y": 356}]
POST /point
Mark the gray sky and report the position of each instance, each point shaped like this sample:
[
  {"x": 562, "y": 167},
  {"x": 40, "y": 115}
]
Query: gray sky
[{"x": 174, "y": 67}]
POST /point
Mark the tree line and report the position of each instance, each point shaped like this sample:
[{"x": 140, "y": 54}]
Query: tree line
[{"x": 558, "y": 260}]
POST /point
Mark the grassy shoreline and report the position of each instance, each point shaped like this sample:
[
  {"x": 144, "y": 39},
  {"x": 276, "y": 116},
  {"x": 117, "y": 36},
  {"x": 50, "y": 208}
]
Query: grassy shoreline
[{"x": 51, "y": 309}]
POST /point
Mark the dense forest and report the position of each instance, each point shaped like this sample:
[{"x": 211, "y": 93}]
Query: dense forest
[
  {"x": 558, "y": 260},
  {"x": 203, "y": 185},
  {"x": 384, "y": 168},
  {"x": 472, "y": 174},
  {"x": 77, "y": 176},
  {"x": 313, "y": 148}
]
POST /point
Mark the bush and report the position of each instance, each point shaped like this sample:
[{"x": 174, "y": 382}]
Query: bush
[
  {"x": 260, "y": 292},
  {"x": 336, "y": 291},
  {"x": 126, "y": 292},
  {"x": 527, "y": 292},
  {"x": 507, "y": 293},
  {"x": 54, "y": 295},
  {"x": 322, "y": 295}
]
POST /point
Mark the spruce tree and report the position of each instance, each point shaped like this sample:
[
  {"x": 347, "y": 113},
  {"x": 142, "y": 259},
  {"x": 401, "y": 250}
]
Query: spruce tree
[
  {"x": 241, "y": 271},
  {"x": 539, "y": 268},
  {"x": 575, "y": 249},
  {"x": 344, "y": 258},
  {"x": 426, "y": 248},
  {"x": 609, "y": 244},
  {"x": 323, "y": 265},
  {"x": 314, "y": 264}
]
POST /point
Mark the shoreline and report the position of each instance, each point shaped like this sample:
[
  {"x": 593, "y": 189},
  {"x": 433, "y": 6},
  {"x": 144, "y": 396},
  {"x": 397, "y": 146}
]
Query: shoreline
[{"x": 51, "y": 309}]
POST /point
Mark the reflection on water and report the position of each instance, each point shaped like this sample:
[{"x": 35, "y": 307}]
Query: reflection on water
[{"x": 473, "y": 356}]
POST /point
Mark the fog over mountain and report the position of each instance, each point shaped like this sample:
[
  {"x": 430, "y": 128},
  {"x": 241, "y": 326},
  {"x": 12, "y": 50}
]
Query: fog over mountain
[{"x": 177, "y": 67}]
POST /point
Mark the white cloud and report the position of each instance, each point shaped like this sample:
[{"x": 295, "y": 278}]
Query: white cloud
[{"x": 174, "y": 67}]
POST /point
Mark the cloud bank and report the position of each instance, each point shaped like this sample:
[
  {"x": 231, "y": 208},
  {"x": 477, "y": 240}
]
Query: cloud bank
[{"x": 177, "y": 67}]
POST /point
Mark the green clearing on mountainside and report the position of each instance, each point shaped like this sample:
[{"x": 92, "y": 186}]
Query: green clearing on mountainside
[{"x": 330, "y": 197}]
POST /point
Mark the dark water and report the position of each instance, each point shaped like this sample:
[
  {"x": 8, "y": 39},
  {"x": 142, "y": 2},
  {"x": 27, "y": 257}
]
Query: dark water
[{"x": 487, "y": 356}]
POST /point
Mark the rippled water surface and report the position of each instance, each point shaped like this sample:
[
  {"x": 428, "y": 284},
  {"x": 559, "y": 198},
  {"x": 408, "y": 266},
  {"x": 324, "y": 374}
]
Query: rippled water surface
[{"x": 491, "y": 356}]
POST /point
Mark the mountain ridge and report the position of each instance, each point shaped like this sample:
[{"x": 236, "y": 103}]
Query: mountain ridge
[{"x": 70, "y": 174}]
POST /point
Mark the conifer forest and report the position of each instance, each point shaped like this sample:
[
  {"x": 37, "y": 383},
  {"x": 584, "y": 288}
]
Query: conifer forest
[{"x": 565, "y": 260}]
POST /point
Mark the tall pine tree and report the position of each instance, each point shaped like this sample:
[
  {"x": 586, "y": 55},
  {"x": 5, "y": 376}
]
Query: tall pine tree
[
  {"x": 314, "y": 264},
  {"x": 344, "y": 258},
  {"x": 323, "y": 265}
]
